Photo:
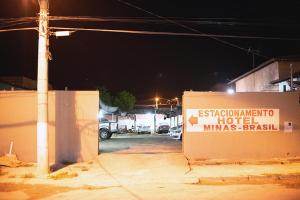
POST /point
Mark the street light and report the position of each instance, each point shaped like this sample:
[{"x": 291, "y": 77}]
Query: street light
[
  {"x": 156, "y": 102},
  {"x": 155, "y": 109},
  {"x": 177, "y": 101},
  {"x": 170, "y": 102},
  {"x": 62, "y": 33},
  {"x": 167, "y": 102},
  {"x": 230, "y": 91}
]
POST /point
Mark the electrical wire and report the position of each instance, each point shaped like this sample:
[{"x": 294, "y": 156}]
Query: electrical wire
[
  {"x": 205, "y": 21},
  {"x": 170, "y": 33},
  {"x": 196, "y": 21},
  {"x": 15, "y": 24},
  {"x": 7, "y": 22},
  {"x": 192, "y": 29},
  {"x": 10, "y": 22},
  {"x": 4, "y": 20},
  {"x": 18, "y": 29}
]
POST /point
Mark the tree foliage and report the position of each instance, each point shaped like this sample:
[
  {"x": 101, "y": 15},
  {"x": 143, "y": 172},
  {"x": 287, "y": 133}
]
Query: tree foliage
[
  {"x": 125, "y": 101},
  {"x": 106, "y": 97}
]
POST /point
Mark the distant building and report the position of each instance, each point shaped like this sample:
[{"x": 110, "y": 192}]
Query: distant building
[
  {"x": 271, "y": 76},
  {"x": 143, "y": 115},
  {"x": 18, "y": 83}
]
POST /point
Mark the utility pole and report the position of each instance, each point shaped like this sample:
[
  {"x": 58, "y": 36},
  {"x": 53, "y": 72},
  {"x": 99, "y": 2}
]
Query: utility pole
[
  {"x": 177, "y": 104},
  {"x": 253, "y": 52},
  {"x": 42, "y": 90},
  {"x": 291, "y": 77},
  {"x": 155, "y": 111},
  {"x": 253, "y": 60}
]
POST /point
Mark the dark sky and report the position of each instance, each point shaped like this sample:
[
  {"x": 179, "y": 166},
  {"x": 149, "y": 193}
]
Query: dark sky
[{"x": 147, "y": 65}]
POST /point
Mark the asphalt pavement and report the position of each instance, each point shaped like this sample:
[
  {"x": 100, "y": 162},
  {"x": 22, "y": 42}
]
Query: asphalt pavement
[{"x": 144, "y": 143}]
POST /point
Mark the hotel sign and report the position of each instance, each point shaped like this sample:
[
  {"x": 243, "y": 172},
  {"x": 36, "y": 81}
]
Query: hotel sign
[{"x": 232, "y": 120}]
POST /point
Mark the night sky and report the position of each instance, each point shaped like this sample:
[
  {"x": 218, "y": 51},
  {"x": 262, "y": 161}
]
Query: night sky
[{"x": 149, "y": 65}]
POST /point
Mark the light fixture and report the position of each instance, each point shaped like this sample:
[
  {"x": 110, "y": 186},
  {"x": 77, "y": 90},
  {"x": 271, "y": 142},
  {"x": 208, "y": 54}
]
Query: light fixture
[
  {"x": 230, "y": 91},
  {"x": 149, "y": 114},
  {"x": 62, "y": 33}
]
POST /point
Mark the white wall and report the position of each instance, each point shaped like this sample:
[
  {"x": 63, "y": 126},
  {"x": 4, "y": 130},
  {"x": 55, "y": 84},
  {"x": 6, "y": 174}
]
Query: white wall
[
  {"x": 243, "y": 144},
  {"x": 73, "y": 124},
  {"x": 148, "y": 119},
  {"x": 259, "y": 81}
]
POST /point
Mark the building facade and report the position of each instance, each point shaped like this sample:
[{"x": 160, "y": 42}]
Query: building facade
[{"x": 271, "y": 76}]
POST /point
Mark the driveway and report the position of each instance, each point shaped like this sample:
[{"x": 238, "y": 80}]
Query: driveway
[{"x": 145, "y": 143}]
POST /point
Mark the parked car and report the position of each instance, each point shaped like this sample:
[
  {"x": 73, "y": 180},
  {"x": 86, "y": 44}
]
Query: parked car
[
  {"x": 143, "y": 129},
  {"x": 106, "y": 128},
  {"x": 176, "y": 132},
  {"x": 163, "y": 128},
  {"x": 172, "y": 131}
]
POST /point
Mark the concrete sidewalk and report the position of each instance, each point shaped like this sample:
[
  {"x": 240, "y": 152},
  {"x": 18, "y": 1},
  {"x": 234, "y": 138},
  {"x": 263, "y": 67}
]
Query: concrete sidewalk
[{"x": 154, "y": 176}]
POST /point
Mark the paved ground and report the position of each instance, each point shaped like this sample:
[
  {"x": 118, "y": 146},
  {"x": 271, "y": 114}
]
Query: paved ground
[
  {"x": 150, "y": 167},
  {"x": 144, "y": 143}
]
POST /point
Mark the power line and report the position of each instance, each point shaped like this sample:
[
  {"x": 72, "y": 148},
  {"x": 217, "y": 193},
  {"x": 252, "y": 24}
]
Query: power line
[
  {"x": 170, "y": 33},
  {"x": 205, "y": 21},
  {"x": 9, "y": 22},
  {"x": 199, "y": 21},
  {"x": 14, "y": 24},
  {"x": 19, "y": 21},
  {"x": 16, "y": 20},
  {"x": 189, "y": 28},
  {"x": 155, "y": 33},
  {"x": 18, "y": 29}
]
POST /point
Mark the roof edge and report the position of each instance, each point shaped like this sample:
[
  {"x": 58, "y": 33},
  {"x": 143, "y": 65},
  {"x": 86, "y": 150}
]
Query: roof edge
[
  {"x": 253, "y": 70},
  {"x": 291, "y": 58}
]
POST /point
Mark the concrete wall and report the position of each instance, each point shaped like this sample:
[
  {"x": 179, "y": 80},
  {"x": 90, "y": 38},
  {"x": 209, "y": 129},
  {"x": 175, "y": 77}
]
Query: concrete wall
[
  {"x": 243, "y": 144},
  {"x": 260, "y": 80},
  {"x": 73, "y": 124}
]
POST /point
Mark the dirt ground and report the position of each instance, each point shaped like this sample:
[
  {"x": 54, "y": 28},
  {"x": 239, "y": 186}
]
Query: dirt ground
[{"x": 148, "y": 170}]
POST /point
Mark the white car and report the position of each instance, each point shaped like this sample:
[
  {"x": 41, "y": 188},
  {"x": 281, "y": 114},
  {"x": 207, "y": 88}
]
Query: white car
[
  {"x": 176, "y": 132},
  {"x": 106, "y": 128},
  {"x": 143, "y": 129},
  {"x": 172, "y": 131}
]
